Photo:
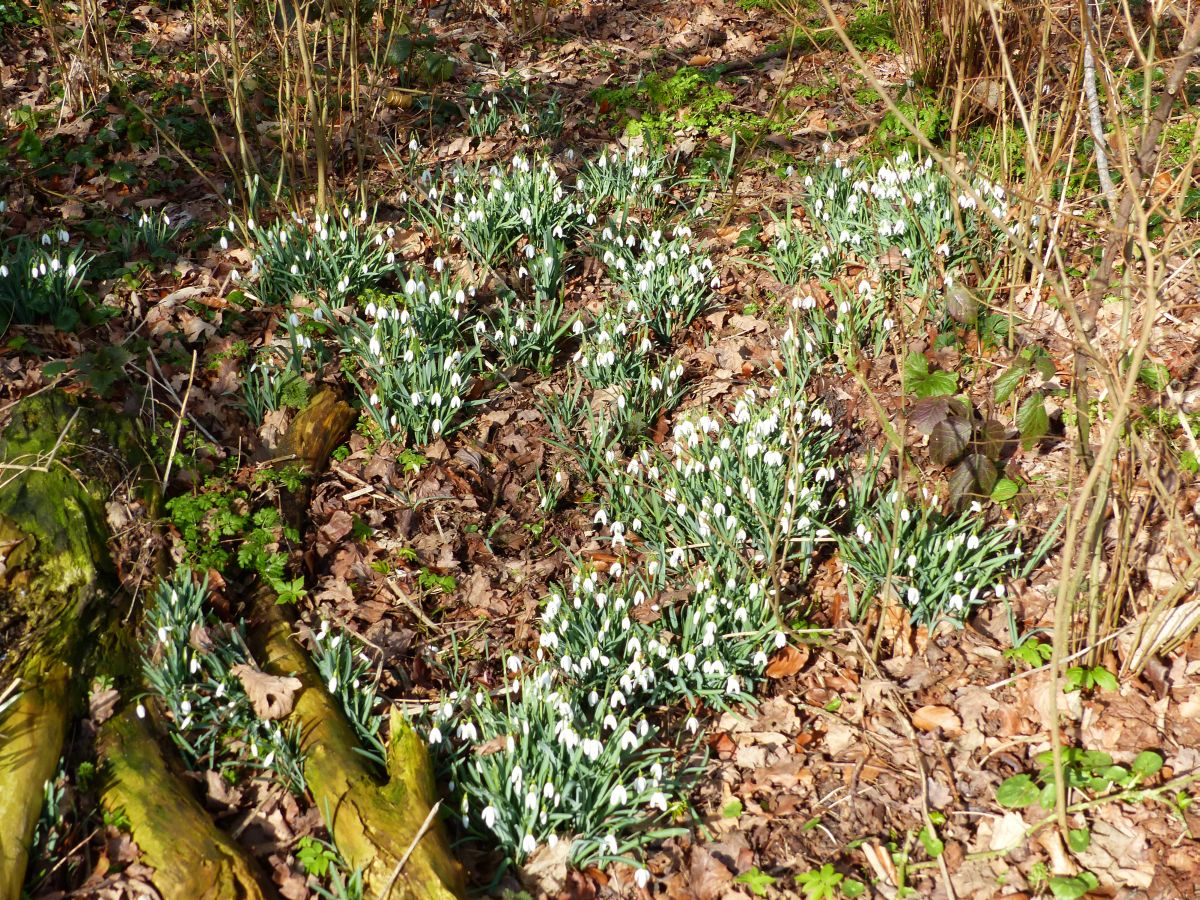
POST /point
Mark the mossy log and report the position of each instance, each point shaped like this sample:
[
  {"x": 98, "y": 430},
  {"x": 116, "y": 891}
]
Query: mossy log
[
  {"x": 61, "y": 462},
  {"x": 375, "y": 825},
  {"x": 385, "y": 828},
  {"x": 191, "y": 858}
]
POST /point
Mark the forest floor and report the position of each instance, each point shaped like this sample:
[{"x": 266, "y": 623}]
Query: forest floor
[{"x": 872, "y": 758}]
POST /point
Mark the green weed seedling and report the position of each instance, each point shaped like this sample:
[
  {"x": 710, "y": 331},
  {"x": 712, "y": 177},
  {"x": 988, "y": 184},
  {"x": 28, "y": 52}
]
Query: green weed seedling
[
  {"x": 1084, "y": 678},
  {"x": 322, "y": 861},
  {"x": 826, "y": 883},
  {"x": 756, "y": 880}
]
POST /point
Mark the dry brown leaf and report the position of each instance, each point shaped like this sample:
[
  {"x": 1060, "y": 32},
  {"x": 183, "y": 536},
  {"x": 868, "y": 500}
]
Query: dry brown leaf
[
  {"x": 271, "y": 695},
  {"x": 929, "y": 718},
  {"x": 787, "y": 660}
]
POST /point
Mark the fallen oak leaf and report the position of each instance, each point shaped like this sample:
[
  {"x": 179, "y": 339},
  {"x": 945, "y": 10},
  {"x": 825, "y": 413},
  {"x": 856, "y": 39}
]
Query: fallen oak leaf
[
  {"x": 271, "y": 695},
  {"x": 788, "y": 660}
]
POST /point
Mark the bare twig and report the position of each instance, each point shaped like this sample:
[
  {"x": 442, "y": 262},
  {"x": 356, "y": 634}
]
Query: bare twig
[{"x": 387, "y": 888}]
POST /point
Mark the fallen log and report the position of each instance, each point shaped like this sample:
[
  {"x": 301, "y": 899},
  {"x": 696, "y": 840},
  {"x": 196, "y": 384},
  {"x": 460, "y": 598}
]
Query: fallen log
[
  {"x": 386, "y": 828},
  {"x": 60, "y": 463},
  {"x": 190, "y": 856}
]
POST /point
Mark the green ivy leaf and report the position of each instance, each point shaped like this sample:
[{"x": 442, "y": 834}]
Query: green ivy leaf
[
  {"x": 1032, "y": 420},
  {"x": 1017, "y": 792},
  {"x": 1079, "y": 839}
]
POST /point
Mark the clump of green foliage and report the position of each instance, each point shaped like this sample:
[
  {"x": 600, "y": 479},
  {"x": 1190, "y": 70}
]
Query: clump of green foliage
[
  {"x": 658, "y": 106},
  {"x": 218, "y": 525}
]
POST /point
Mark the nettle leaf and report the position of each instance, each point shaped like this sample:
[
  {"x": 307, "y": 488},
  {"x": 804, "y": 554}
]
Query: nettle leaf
[
  {"x": 949, "y": 440},
  {"x": 918, "y": 380},
  {"x": 974, "y": 476},
  {"x": 962, "y": 304},
  {"x": 928, "y": 412},
  {"x": 1009, "y": 380},
  {"x": 1017, "y": 792},
  {"x": 1005, "y": 490},
  {"x": 1032, "y": 419}
]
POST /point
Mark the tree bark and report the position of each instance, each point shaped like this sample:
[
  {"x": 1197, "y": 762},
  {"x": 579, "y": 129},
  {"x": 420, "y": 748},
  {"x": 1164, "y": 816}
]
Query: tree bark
[
  {"x": 192, "y": 859},
  {"x": 61, "y": 462},
  {"x": 373, "y": 824}
]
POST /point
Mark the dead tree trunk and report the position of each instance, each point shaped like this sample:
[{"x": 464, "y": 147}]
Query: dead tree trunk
[{"x": 60, "y": 462}]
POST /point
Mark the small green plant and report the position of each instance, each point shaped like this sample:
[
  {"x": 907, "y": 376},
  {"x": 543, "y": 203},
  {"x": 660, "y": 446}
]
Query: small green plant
[
  {"x": 940, "y": 567},
  {"x": 1072, "y": 887},
  {"x": 756, "y": 880},
  {"x": 1091, "y": 771},
  {"x": 1025, "y": 375},
  {"x": 217, "y": 525},
  {"x": 923, "y": 383},
  {"x": 431, "y": 581},
  {"x": 820, "y": 884},
  {"x": 42, "y": 280},
  {"x": 199, "y": 671},
  {"x": 315, "y": 856},
  {"x": 322, "y": 861},
  {"x": 1085, "y": 678},
  {"x": 1031, "y": 651}
]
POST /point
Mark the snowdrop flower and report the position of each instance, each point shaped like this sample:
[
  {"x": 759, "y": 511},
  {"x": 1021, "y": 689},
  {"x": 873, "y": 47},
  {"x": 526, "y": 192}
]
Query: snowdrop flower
[
  {"x": 658, "y": 800},
  {"x": 619, "y": 796}
]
